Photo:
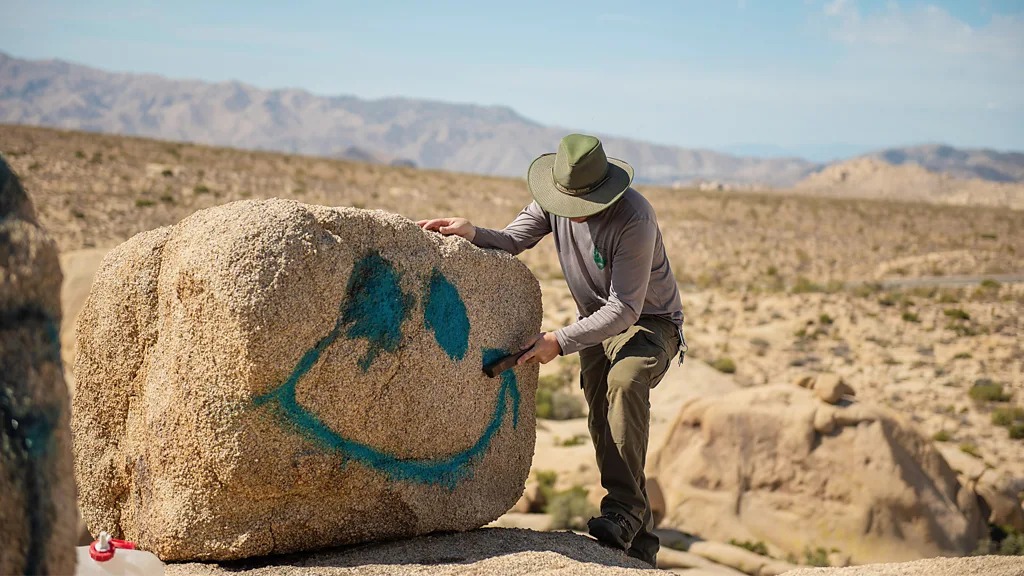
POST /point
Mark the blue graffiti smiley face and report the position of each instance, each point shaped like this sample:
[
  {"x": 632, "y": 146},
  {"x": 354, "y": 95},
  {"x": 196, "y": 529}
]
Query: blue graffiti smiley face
[{"x": 374, "y": 309}]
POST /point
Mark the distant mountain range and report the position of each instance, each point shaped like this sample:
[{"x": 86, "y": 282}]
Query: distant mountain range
[{"x": 457, "y": 137}]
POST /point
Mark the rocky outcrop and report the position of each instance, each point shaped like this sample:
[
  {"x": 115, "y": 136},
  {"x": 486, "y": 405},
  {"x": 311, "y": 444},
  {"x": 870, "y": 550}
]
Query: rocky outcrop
[
  {"x": 37, "y": 491},
  {"x": 972, "y": 566},
  {"x": 497, "y": 551},
  {"x": 852, "y": 477},
  {"x": 269, "y": 376}
]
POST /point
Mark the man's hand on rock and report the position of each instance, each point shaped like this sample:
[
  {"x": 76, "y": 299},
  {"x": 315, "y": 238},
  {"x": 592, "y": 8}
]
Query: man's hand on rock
[
  {"x": 541, "y": 348},
  {"x": 450, "y": 226}
]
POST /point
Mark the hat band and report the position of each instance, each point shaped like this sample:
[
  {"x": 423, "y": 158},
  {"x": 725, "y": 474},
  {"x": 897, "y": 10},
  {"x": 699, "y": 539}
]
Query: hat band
[{"x": 579, "y": 191}]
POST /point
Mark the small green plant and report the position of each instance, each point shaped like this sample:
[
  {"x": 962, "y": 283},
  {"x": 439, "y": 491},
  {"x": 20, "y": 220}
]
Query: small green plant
[
  {"x": 825, "y": 319},
  {"x": 956, "y": 314},
  {"x": 79, "y": 154},
  {"x": 942, "y": 436},
  {"x": 570, "y": 509},
  {"x": 554, "y": 399},
  {"x": 962, "y": 356},
  {"x": 143, "y": 202},
  {"x": 1016, "y": 430},
  {"x": 167, "y": 198},
  {"x": 817, "y": 556},
  {"x": 970, "y": 449},
  {"x": 34, "y": 166},
  {"x": 725, "y": 365},
  {"x": 201, "y": 189},
  {"x": 758, "y": 547},
  {"x": 1001, "y": 540},
  {"x": 97, "y": 158},
  {"x": 167, "y": 173},
  {"x": 985, "y": 390},
  {"x": 78, "y": 213},
  {"x": 577, "y": 440},
  {"x": 909, "y": 316},
  {"x": 990, "y": 284},
  {"x": 803, "y": 285},
  {"x": 1007, "y": 415}
]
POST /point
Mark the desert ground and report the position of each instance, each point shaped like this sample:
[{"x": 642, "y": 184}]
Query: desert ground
[{"x": 918, "y": 306}]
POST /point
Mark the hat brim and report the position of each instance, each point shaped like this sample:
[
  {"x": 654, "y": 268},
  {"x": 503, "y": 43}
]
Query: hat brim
[{"x": 542, "y": 185}]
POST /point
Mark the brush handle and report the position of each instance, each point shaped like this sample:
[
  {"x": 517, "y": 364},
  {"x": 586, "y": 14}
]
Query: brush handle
[{"x": 499, "y": 366}]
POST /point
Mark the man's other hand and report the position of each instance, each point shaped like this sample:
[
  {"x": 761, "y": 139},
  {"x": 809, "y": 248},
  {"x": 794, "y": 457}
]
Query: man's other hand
[
  {"x": 541, "y": 348},
  {"x": 450, "y": 226}
]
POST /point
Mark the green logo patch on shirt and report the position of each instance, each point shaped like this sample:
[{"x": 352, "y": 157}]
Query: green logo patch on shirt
[{"x": 598, "y": 259}]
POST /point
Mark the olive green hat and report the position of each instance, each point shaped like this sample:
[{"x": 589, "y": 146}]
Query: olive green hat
[{"x": 578, "y": 180}]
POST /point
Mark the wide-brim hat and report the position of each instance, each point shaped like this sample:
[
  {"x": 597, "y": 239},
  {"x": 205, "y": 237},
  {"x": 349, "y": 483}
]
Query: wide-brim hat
[{"x": 578, "y": 180}]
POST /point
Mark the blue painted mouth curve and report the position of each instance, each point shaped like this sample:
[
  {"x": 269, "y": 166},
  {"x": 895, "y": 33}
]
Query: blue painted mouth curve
[{"x": 447, "y": 471}]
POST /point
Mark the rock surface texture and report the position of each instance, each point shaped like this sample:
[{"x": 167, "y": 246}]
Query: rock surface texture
[
  {"x": 971, "y": 566},
  {"x": 854, "y": 477},
  {"x": 268, "y": 377},
  {"x": 37, "y": 490},
  {"x": 498, "y": 551}
]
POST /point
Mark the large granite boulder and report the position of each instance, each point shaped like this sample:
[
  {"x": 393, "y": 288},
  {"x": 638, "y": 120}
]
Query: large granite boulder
[
  {"x": 269, "y": 376},
  {"x": 777, "y": 464},
  {"x": 37, "y": 490}
]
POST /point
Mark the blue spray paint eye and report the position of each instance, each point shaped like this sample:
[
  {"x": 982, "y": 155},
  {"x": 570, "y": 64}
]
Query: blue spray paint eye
[
  {"x": 444, "y": 313},
  {"x": 376, "y": 307}
]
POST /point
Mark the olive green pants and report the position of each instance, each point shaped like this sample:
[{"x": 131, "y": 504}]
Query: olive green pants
[{"x": 617, "y": 378}]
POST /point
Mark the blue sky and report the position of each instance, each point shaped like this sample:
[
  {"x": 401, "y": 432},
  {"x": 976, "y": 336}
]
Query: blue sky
[{"x": 809, "y": 77}]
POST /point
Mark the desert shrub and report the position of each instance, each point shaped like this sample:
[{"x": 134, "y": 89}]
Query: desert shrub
[
  {"x": 577, "y": 440},
  {"x": 201, "y": 189},
  {"x": 570, "y": 509},
  {"x": 816, "y": 557},
  {"x": 1007, "y": 415},
  {"x": 956, "y": 314},
  {"x": 941, "y": 436},
  {"x": 970, "y": 449},
  {"x": 79, "y": 154},
  {"x": 985, "y": 390},
  {"x": 167, "y": 173},
  {"x": 755, "y": 547},
  {"x": 167, "y": 198},
  {"x": 546, "y": 480},
  {"x": 1003, "y": 541},
  {"x": 990, "y": 284},
  {"x": 825, "y": 319},
  {"x": 555, "y": 401},
  {"x": 725, "y": 365},
  {"x": 962, "y": 356},
  {"x": 803, "y": 285},
  {"x": 143, "y": 202},
  {"x": 909, "y": 316},
  {"x": 1016, "y": 430}
]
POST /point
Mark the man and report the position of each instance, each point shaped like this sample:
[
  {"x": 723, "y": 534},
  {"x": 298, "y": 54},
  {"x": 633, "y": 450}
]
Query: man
[{"x": 630, "y": 316}]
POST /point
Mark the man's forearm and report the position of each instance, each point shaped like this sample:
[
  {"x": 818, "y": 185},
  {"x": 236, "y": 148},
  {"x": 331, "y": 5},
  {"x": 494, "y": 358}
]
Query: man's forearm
[{"x": 609, "y": 320}]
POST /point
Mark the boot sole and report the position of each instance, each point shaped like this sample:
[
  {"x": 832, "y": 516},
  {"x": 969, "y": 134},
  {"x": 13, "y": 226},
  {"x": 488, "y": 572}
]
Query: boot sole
[{"x": 606, "y": 535}]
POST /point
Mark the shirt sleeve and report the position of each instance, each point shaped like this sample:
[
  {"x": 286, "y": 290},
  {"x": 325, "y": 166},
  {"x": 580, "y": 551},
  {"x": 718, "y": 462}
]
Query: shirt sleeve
[
  {"x": 631, "y": 273},
  {"x": 528, "y": 228}
]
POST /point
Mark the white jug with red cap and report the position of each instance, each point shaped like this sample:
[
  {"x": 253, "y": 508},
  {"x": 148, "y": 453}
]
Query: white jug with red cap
[{"x": 108, "y": 556}]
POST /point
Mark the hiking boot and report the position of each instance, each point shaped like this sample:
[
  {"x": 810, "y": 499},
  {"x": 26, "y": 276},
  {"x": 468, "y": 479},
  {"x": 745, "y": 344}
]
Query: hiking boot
[
  {"x": 611, "y": 530},
  {"x": 644, "y": 556}
]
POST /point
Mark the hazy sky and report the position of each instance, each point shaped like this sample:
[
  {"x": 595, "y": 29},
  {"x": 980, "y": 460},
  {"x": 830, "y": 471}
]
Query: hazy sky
[{"x": 810, "y": 77}]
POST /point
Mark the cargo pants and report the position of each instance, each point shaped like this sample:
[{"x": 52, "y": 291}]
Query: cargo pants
[{"x": 617, "y": 377}]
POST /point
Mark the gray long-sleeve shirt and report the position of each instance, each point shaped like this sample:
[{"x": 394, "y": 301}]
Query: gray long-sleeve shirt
[{"x": 614, "y": 263}]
